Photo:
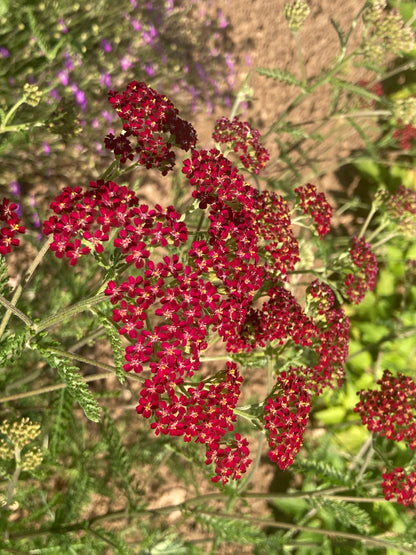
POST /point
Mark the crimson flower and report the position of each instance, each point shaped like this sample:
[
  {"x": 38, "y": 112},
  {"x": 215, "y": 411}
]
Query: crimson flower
[{"x": 8, "y": 232}]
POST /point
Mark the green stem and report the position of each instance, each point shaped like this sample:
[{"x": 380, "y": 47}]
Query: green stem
[
  {"x": 370, "y": 215},
  {"x": 57, "y": 386},
  {"x": 321, "y": 81},
  {"x": 300, "y": 58},
  {"x": 28, "y": 276},
  {"x": 13, "y": 310},
  {"x": 15, "y": 478},
  {"x": 385, "y": 240},
  {"x": 10, "y": 113},
  {"x": 76, "y": 308}
]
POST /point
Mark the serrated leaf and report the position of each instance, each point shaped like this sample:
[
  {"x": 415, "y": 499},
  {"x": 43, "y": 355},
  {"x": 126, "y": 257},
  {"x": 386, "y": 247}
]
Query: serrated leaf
[
  {"x": 74, "y": 382},
  {"x": 281, "y": 75}
]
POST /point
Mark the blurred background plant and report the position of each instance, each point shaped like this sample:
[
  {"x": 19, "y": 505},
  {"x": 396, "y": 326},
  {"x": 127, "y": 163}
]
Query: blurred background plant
[{"x": 107, "y": 484}]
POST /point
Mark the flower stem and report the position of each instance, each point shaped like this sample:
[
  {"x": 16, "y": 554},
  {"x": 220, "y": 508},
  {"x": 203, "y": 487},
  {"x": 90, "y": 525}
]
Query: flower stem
[
  {"x": 19, "y": 289},
  {"x": 76, "y": 308},
  {"x": 300, "y": 58}
]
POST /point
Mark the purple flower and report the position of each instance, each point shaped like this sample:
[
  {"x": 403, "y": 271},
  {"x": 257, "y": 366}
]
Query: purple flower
[
  {"x": 69, "y": 64},
  {"x": 107, "y": 116},
  {"x": 63, "y": 26},
  {"x": 149, "y": 70},
  {"x": 80, "y": 98},
  {"x": 229, "y": 62},
  {"x": 136, "y": 24},
  {"x": 54, "y": 94},
  {"x": 4, "y": 53},
  {"x": 36, "y": 219},
  {"x": 222, "y": 21},
  {"x": 46, "y": 147},
  {"x": 63, "y": 77},
  {"x": 125, "y": 63},
  {"x": 200, "y": 71},
  {"x": 105, "y": 79},
  {"x": 15, "y": 188},
  {"x": 106, "y": 45}
]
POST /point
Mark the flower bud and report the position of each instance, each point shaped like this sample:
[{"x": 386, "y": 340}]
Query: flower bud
[{"x": 296, "y": 14}]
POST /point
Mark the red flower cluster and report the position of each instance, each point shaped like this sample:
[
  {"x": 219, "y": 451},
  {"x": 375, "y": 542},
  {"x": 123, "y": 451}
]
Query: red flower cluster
[
  {"x": 316, "y": 205},
  {"x": 364, "y": 280},
  {"x": 331, "y": 345},
  {"x": 286, "y": 416},
  {"x": 8, "y": 232},
  {"x": 405, "y": 135},
  {"x": 377, "y": 89},
  {"x": 401, "y": 486},
  {"x": 242, "y": 218},
  {"x": 390, "y": 412},
  {"x": 401, "y": 203},
  {"x": 242, "y": 137},
  {"x": 279, "y": 319},
  {"x": 154, "y": 123},
  {"x": 401, "y": 207},
  {"x": 84, "y": 219},
  {"x": 231, "y": 281}
]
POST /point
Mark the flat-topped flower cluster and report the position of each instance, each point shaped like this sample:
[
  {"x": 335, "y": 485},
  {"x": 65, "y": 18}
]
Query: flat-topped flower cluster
[{"x": 229, "y": 278}]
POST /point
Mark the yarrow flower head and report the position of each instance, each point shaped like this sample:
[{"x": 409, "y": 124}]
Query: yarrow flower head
[
  {"x": 390, "y": 411},
  {"x": 296, "y": 13},
  {"x": 242, "y": 137},
  {"x": 400, "y": 486},
  {"x": 316, "y": 205},
  {"x": 286, "y": 416},
  {"x": 231, "y": 280},
  {"x": 405, "y": 135},
  {"x": 152, "y": 122},
  {"x": 404, "y": 111},
  {"x": 400, "y": 207},
  {"x": 366, "y": 268},
  {"x": 8, "y": 215},
  {"x": 389, "y": 31}
]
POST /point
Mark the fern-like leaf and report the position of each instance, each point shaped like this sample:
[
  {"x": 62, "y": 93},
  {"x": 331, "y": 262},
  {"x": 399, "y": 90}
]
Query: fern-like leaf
[
  {"x": 230, "y": 530},
  {"x": 76, "y": 498},
  {"x": 113, "y": 540},
  {"x": 119, "y": 457},
  {"x": 12, "y": 346},
  {"x": 63, "y": 418},
  {"x": 281, "y": 75},
  {"x": 75, "y": 383},
  {"x": 117, "y": 348},
  {"x": 4, "y": 278},
  {"x": 323, "y": 471},
  {"x": 349, "y": 514}
]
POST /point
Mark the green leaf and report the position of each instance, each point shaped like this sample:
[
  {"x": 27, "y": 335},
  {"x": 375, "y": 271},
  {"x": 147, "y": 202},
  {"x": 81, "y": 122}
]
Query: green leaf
[
  {"x": 333, "y": 415},
  {"x": 116, "y": 346},
  {"x": 281, "y": 75},
  {"x": 63, "y": 419},
  {"x": 74, "y": 381},
  {"x": 349, "y": 514}
]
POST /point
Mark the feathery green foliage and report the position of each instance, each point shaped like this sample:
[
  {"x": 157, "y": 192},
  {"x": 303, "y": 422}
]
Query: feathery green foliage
[
  {"x": 348, "y": 514},
  {"x": 281, "y": 75},
  {"x": 74, "y": 381}
]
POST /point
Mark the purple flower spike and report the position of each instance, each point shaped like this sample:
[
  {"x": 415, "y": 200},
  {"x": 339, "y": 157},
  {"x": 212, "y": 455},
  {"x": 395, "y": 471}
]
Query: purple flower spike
[
  {"x": 15, "y": 188},
  {"x": 63, "y": 26},
  {"x": 106, "y": 45}
]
